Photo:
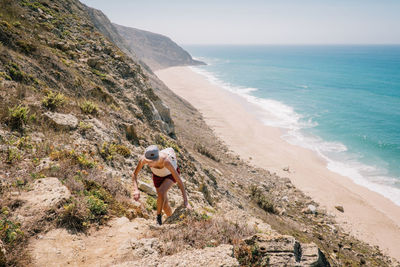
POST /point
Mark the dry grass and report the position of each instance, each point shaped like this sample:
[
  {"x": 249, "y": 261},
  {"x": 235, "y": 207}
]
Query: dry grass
[
  {"x": 200, "y": 231},
  {"x": 205, "y": 152}
]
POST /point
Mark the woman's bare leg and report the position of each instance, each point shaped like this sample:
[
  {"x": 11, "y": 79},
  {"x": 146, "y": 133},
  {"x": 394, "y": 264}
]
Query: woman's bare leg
[{"x": 162, "y": 199}]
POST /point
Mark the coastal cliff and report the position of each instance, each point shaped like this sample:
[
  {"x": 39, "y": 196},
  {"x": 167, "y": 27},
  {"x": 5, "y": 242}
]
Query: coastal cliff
[
  {"x": 78, "y": 111},
  {"x": 156, "y": 50}
]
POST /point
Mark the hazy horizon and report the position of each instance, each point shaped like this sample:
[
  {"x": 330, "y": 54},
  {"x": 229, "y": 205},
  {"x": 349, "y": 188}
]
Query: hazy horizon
[{"x": 257, "y": 22}]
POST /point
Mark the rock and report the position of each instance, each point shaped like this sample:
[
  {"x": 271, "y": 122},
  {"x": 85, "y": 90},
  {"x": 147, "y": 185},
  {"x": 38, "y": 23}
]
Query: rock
[
  {"x": 146, "y": 247},
  {"x": 283, "y": 250},
  {"x": 340, "y": 208},
  {"x": 286, "y": 169},
  {"x": 62, "y": 121},
  {"x": 210, "y": 256},
  {"x": 145, "y": 187},
  {"x": 45, "y": 194},
  {"x": 98, "y": 131},
  {"x": 311, "y": 209},
  {"x": 95, "y": 63},
  {"x": 179, "y": 214},
  {"x": 131, "y": 132},
  {"x": 285, "y": 198},
  {"x": 218, "y": 172}
]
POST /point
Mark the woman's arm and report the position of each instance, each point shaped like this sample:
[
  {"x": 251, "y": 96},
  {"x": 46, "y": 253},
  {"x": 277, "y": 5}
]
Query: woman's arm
[
  {"x": 136, "y": 193},
  {"x": 177, "y": 178}
]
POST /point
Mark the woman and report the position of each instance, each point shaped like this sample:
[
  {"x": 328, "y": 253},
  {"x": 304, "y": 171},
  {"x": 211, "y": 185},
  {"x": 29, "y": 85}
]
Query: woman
[{"x": 165, "y": 170}]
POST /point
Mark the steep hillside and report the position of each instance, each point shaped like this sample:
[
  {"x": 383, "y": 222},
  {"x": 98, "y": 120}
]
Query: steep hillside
[
  {"x": 78, "y": 112},
  {"x": 156, "y": 50}
]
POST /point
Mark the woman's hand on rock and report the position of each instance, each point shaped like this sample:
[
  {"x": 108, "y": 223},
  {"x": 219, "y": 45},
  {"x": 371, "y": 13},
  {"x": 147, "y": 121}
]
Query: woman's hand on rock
[
  {"x": 136, "y": 195},
  {"x": 187, "y": 205}
]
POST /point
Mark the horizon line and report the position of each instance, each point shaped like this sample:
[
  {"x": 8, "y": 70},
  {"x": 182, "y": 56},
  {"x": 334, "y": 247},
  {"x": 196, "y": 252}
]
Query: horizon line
[{"x": 288, "y": 44}]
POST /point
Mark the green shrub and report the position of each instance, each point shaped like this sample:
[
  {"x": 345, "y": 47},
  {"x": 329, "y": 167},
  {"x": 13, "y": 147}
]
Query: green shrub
[
  {"x": 108, "y": 150},
  {"x": 123, "y": 151},
  {"x": 83, "y": 126},
  {"x": 89, "y": 107},
  {"x": 5, "y": 76},
  {"x": 84, "y": 161},
  {"x": 13, "y": 155},
  {"x": 97, "y": 206},
  {"x": 53, "y": 100},
  {"x": 18, "y": 116},
  {"x": 151, "y": 203},
  {"x": 10, "y": 231},
  {"x": 15, "y": 73}
]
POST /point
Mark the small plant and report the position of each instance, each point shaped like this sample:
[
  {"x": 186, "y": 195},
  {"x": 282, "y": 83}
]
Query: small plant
[
  {"x": 151, "y": 203},
  {"x": 164, "y": 142},
  {"x": 5, "y": 76},
  {"x": 98, "y": 73},
  {"x": 84, "y": 127},
  {"x": 53, "y": 100},
  {"x": 89, "y": 107},
  {"x": 108, "y": 150},
  {"x": 261, "y": 199},
  {"x": 84, "y": 161},
  {"x": 123, "y": 151},
  {"x": 13, "y": 155},
  {"x": 97, "y": 206},
  {"x": 10, "y": 231},
  {"x": 18, "y": 116},
  {"x": 75, "y": 215},
  {"x": 15, "y": 73}
]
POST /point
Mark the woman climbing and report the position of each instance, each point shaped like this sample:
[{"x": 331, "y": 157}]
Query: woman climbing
[{"x": 165, "y": 170}]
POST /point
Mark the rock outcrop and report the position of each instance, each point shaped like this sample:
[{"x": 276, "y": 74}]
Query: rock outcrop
[
  {"x": 62, "y": 121},
  {"x": 45, "y": 193},
  {"x": 282, "y": 250}
]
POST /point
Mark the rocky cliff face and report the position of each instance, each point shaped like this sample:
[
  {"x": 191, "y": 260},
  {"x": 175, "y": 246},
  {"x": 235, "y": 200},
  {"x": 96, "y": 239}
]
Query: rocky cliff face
[
  {"x": 77, "y": 112},
  {"x": 156, "y": 50}
]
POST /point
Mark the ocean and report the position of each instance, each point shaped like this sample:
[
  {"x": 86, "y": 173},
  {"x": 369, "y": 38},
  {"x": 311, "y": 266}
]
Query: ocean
[{"x": 342, "y": 101}]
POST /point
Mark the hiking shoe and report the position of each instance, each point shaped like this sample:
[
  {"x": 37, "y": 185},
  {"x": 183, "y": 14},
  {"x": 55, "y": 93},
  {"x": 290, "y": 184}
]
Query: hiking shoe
[{"x": 159, "y": 219}]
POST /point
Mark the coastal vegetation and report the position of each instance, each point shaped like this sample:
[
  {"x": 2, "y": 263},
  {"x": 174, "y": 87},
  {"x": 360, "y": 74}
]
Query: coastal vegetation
[{"x": 72, "y": 129}]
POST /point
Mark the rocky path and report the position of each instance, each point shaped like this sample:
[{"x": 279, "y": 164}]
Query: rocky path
[{"x": 120, "y": 243}]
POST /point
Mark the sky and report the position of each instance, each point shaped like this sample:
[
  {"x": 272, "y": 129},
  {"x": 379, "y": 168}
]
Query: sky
[{"x": 260, "y": 21}]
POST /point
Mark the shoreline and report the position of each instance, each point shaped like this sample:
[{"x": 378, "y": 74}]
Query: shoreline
[{"x": 367, "y": 215}]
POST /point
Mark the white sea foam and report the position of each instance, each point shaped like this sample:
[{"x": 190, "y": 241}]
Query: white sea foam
[{"x": 277, "y": 114}]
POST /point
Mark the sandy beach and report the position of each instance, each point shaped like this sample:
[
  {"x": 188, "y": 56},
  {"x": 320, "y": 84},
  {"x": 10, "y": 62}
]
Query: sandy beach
[{"x": 367, "y": 215}]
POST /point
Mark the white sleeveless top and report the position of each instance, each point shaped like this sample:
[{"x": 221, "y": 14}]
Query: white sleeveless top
[{"x": 172, "y": 158}]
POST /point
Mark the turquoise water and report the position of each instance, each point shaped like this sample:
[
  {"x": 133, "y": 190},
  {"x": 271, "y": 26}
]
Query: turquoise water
[{"x": 343, "y": 102}]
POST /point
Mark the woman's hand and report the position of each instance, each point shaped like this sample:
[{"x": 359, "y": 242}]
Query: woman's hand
[{"x": 136, "y": 195}]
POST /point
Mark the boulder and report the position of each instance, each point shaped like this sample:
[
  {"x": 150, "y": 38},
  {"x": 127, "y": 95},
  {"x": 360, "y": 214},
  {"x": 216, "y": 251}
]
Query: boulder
[
  {"x": 62, "y": 121},
  {"x": 340, "y": 208},
  {"x": 145, "y": 187},
  {"x": 46, "y": 193}
]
